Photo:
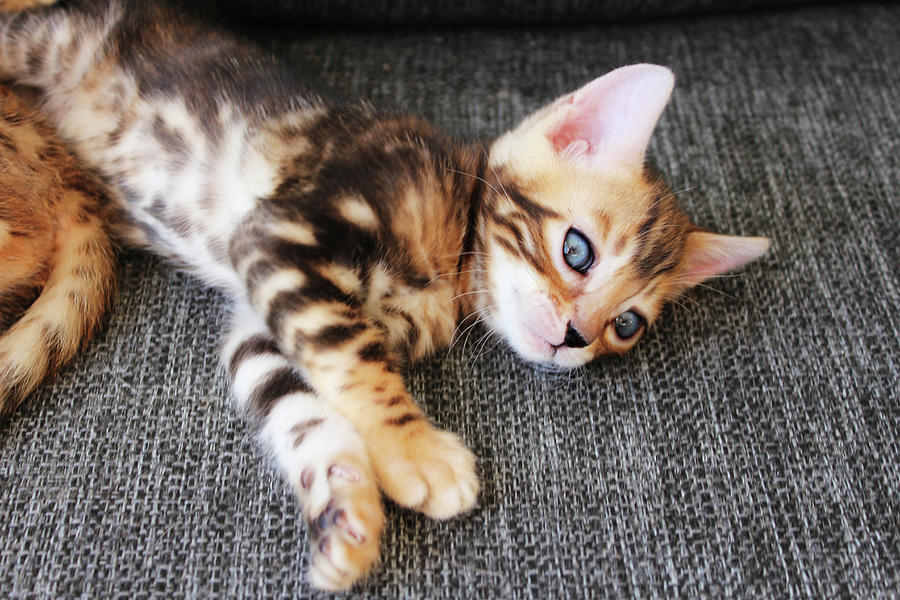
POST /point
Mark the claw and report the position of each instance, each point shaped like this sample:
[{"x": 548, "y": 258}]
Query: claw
[
  {"x": 325, "y": 546},
  {"x": 344, "y": 521},
  {"x": 306, "y": 478},
  {"x": 347, "y": 473}
]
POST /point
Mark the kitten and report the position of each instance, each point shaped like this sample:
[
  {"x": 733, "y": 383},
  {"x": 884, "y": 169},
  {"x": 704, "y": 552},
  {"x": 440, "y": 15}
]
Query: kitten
[
  {"x": 354, "y": 241},
  {"x": 56, "y": 256}
]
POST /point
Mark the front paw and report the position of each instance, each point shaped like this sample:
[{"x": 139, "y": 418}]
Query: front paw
[
  {"x": 345, "y": 522},
  {"x": 426, "y": 469}
]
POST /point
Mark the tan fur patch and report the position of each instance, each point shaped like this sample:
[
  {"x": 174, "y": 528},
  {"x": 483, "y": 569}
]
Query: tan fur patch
[
  {"x": 294, "y": 231},
  {"x": 358, "y": 212}
]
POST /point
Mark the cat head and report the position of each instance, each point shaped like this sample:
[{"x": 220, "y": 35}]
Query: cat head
[{"x": 582, "y": 243}]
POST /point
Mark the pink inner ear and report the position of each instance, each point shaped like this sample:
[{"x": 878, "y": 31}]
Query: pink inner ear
[
  {"x": 613, "y": 117},
  {"x": 711, "y": 254},
  {"x": 575, "y": 132}
]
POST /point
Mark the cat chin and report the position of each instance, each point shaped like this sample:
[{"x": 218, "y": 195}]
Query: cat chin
[{"x": 570, "y": 358}]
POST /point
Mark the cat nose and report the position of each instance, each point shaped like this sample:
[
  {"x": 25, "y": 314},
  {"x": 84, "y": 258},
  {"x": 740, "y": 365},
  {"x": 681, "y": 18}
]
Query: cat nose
[{"x": 573, "y": 339}]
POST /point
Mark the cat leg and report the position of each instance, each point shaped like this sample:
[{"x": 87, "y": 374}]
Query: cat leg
[
  {"x": 318, "y": 451},
  {"x": 347, "y": 359}
]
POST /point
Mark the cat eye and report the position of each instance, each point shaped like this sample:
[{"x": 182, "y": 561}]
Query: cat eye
[
  {"x": 577, "y": 251},
  {"x": 627, "y": 324}
]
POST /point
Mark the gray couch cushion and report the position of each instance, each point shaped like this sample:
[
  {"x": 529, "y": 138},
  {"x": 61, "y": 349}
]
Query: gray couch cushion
[
  {"x": 368, "y": 13},
  {"x": 747, "y": 448}
]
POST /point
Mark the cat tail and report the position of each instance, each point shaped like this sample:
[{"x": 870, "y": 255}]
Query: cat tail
[{"x": 69, "y": 308}]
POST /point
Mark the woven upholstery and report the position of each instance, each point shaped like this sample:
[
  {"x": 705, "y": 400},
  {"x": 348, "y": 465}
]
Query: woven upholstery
[
  {"x": 368, "y": 13},
  {"x": 748, "y": 447}
]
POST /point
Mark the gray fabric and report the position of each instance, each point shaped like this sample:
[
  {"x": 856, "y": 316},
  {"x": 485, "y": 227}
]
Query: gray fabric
[
  {"x": 367, "y": 13},
  {"x": 747, "y": 448}
]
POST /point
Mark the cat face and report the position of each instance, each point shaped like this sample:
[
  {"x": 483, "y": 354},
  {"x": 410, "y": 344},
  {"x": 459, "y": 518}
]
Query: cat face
[{"x": 582, "y": 243}]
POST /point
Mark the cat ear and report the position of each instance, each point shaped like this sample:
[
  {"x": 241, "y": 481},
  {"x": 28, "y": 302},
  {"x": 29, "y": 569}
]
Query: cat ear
[
  {"x": 611, "y": 118},
  {"x": 709, "y": 254}
]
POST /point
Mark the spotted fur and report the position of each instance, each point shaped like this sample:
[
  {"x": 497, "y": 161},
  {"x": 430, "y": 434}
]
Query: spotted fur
[
  {"x": 355, "y": 241},
  {"x": 56, "y": 253}
]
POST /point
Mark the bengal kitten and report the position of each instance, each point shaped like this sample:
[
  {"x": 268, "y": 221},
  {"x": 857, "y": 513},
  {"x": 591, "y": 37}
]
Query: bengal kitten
[
  {"x": 353, "y": 241},
  {"x": 57, "y": 265}
]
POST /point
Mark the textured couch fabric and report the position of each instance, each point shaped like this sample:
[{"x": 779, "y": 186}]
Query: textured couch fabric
[
  {"x": 366, "y": 13},
  {"x": 748, "y": 447}
]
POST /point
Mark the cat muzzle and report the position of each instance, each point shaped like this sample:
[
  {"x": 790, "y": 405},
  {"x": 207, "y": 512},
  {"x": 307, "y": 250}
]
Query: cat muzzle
[{"x": 573, "y": 339}]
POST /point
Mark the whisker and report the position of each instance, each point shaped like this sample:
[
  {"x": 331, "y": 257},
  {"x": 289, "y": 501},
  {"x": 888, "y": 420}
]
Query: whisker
[
  {"x": 467, "y": 293},
  {"x": 686, "y": 308},
  {"x": 482, "y": 179},
  {"x": 718, "y": 291},
  {"x": 485, "y": 351},
  {"x": 465, "y": 334},
  {"x": 652, "y": 229},
  {"x": 480, "y": 345},
  {"x": 494, "y": 171},
  {"x": 439, "y": 275},
  {"x": 464, "y": 253},
  {"x": 476, "y": 313},
  {"x": 669, "y": 195},
  {"x": 704, "y": 286},
  {"x": 467, "y": 341}
]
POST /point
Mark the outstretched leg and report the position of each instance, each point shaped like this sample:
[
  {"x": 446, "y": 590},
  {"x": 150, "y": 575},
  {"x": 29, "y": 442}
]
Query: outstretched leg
[
  {"x": 314, "y": 309},
  {"x": 318, "y": 450}
]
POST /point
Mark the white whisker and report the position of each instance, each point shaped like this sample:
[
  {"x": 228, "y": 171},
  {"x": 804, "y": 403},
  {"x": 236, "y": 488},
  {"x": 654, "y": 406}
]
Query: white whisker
[
  {"x": 439, "y": 275},
  {"x": 469, "y": 293}
]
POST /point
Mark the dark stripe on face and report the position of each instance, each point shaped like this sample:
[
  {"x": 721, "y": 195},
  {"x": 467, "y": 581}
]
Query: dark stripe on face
[
  {"x": 277, "y": 384},
  {"x": 508, "y": 246},
  {"x": 538, "y": 261},
  {"x": 534, "y": 210},
  {"x": 658, "y": 261},
  {"x": 510, "y": 226},
  {"x": 660, "y": 239},
  {"x": 251, "y": 347},
  {"x": 477, "y": 198},
  {"x": 644, "y": 229}
]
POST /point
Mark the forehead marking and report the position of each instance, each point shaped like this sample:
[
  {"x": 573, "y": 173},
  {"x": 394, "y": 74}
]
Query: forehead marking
[{"x": 607, "y": 270}]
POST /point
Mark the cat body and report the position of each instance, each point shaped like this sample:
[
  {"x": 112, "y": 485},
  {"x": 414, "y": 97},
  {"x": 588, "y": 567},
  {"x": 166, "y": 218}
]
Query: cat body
[
  {"x": 57, "y": 260},
  {"x": 354, "y": 241}
]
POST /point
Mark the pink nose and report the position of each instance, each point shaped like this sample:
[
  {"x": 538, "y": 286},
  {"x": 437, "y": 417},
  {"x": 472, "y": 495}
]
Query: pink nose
[{"x": 543, "y": 322}]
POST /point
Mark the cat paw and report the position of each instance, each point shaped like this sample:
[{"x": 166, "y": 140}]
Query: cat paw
[
  {"x": 428, "y": 470},
  {"x": 345, "y": 521}
]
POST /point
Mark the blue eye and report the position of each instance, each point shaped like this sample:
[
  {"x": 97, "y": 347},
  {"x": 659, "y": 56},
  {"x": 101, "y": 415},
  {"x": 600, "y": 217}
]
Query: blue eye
[
  {"x": 577, "y": 251},
  {"x": 628, "y": 323}
]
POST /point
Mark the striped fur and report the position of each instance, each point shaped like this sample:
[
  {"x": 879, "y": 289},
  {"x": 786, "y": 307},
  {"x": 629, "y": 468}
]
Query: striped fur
[
  {"x": 57, "y": 267},
  {"x": 315, "y": 447},
  {"x": 355, "y": 241}
]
